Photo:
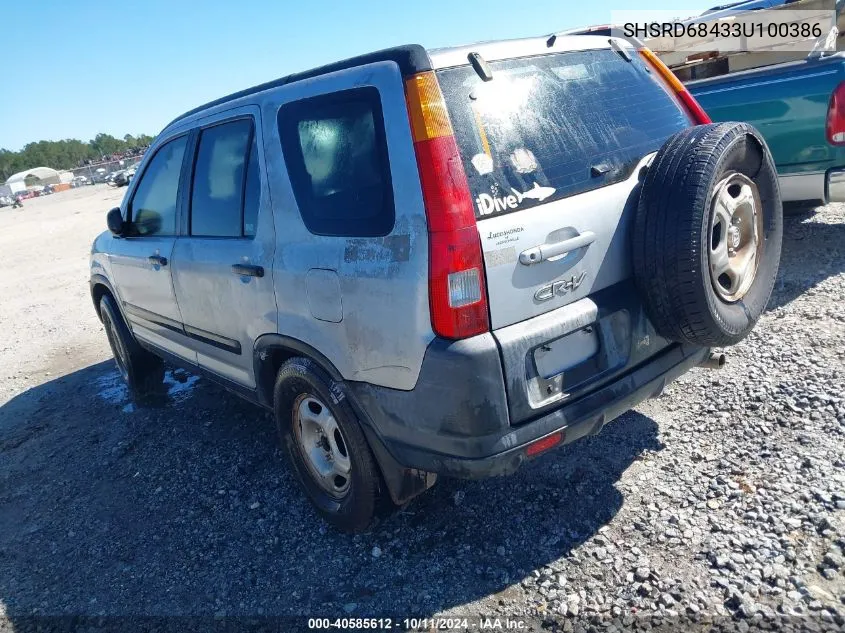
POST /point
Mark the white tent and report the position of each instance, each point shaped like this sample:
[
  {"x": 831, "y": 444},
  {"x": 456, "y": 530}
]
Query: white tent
[{"x": 45, "y": 175}]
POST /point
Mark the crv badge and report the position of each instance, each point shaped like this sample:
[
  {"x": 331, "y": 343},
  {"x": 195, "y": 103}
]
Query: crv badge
[{"x": 561, "y": 287}]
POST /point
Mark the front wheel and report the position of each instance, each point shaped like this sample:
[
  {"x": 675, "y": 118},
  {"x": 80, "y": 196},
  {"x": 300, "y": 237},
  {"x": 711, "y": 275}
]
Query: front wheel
[
  {"x": 326, "y": 446},
  {"x": 142, "y": 371}
]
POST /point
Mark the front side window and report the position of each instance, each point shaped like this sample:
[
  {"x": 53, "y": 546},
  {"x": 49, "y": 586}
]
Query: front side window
[
  {"x": 220, "y": 176},
  {"x": 336, "y": 154},
  {"x": 153, "y": 206}
]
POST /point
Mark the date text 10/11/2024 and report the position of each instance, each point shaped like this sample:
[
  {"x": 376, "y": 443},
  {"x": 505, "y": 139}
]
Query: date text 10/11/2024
[{"x": 426, "y": 624}]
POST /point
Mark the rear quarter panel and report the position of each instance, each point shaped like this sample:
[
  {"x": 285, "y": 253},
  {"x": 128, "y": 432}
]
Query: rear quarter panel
[{"x": 378, "y": 327}]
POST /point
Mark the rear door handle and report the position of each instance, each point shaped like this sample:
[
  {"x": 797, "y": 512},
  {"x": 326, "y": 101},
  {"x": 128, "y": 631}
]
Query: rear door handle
[
  {"x": 157, "y": 260},
  {"x": 547, "y": 251},
  {"x": 248, "y": 270}
]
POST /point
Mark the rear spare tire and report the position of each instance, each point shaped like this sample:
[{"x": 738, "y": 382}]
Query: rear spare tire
[{"x": 707, "y": 234}]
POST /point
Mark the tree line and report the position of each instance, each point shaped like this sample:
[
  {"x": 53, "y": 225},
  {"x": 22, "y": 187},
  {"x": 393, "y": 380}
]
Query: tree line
[{"x": 68, "y": 154}]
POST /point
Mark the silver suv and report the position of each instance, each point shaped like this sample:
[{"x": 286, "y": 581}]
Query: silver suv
[{"x": 440, "y": 262}]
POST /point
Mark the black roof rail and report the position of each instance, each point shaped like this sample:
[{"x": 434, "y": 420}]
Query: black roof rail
[{"x": 411, "y": 59}]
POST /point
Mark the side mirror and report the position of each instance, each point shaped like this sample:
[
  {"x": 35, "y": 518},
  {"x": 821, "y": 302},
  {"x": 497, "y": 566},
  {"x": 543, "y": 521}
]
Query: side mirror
[{"x": 114, "y": 220}]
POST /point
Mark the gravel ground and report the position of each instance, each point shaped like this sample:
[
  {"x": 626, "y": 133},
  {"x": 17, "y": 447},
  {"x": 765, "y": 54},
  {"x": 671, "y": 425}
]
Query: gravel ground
[{"x": 722, "y": 501}]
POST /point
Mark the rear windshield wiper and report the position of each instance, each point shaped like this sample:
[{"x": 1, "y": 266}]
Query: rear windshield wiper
[{"x": 481, "y": 67}]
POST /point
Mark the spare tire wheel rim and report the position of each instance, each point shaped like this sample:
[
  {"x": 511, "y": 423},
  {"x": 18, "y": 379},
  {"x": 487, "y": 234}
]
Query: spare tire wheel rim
[
  {"x": 322, "y": 445},
  {"x": 735, "y": 237}
]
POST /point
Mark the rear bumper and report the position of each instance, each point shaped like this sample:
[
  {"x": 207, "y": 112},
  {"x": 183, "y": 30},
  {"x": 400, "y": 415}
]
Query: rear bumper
[
  {"x": 455, "y": 422},
  {"x": 801, "y": 187},
  {"x": 835, "y": 185}
]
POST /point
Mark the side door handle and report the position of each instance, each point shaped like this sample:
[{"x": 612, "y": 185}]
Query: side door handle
[
  {"x": 157, "y": 260},
  {"x": 546, "y": 251},
  {"x": 248, "y": 270}
]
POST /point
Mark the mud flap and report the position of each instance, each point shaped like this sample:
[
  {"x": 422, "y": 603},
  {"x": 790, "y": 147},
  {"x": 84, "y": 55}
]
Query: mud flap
[{"x": 403, "y": 483}]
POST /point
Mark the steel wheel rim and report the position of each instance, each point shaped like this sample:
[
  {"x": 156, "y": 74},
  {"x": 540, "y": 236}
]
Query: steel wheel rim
[
  {"x": 322, "y": 445},
  {"x": 117, "y": 349},
  {"x": 735, "y": 238}
]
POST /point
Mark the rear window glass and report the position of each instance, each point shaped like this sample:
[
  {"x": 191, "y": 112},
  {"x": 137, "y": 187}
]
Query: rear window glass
[{"x": 549, "y": 127}]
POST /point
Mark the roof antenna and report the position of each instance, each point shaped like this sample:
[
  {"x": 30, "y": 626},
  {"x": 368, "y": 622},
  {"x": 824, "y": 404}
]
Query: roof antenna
[
  {"x": 482, "y": 68},
  {"x": 551, "y": 41}
]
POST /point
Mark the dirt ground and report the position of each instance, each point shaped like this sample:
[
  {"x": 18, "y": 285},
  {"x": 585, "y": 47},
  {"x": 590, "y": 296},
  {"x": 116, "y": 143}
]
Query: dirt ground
[
  {"x": 48, "y": 322},
  {"x": 722, "y": 499}
]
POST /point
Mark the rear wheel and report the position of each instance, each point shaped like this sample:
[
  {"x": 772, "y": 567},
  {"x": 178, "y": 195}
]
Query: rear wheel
[
  {"x": 326, "y": 446},
  {"x": 321, "y": 443},
  {"x": 142, "y": 371}
]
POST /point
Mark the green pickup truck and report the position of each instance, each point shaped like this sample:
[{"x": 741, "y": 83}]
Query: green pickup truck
[{"x": 799, "y": 107}]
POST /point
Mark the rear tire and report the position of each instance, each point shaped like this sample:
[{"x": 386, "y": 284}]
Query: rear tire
[
  {"x": 707, "y": 234},
  {"x": 142, "y": 371},
  {"x": 326, "y": 446}
]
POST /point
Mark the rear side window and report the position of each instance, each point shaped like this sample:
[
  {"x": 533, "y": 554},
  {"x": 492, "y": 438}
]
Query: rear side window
[
  {"x": 219, "y": 194},
  {"x": 553, "y": 126},
  {"x": 336, "y": 154},
  {"x": 153, "y": 206}
]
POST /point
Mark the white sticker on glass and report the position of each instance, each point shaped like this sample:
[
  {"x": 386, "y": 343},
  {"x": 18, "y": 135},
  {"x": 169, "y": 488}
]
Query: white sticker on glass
[
  {"x": 575, "y": 71},
  {"x": 483, "y": 163},
  {"x": 523, "y": 161}
]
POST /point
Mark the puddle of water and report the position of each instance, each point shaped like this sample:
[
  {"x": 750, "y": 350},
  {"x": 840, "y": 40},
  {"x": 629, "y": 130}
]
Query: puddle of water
[
  {"x": 178, "y": 390},
  {"x": 112, "y": 389}
]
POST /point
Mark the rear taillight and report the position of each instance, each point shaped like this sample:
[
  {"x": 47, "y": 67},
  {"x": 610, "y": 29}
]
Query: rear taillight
[
  {"x": 836, "y": 116},
  {"x": 457, "y": 293},
  {"x": 694, "y": 110}
]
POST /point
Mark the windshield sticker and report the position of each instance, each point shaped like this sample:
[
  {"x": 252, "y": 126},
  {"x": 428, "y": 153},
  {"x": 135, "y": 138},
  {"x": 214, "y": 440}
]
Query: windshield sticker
[
  {"x": 574, "y": 71},
  {"x": 488, "y": 204},
  {"x": 523, "y": 161},
  {"x": 483, "y": 163}
]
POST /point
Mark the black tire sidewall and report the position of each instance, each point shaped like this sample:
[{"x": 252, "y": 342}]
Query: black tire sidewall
[
  {"x": 671, "y": 234},
  {"x": 145, "y": 372},
  {"x": 355, "y": 512},
  {"x": 736, "y": 319}
]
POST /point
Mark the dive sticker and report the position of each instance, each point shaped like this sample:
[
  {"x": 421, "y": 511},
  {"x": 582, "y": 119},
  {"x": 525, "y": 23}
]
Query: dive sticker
[{"x": 488, "y": 204}]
